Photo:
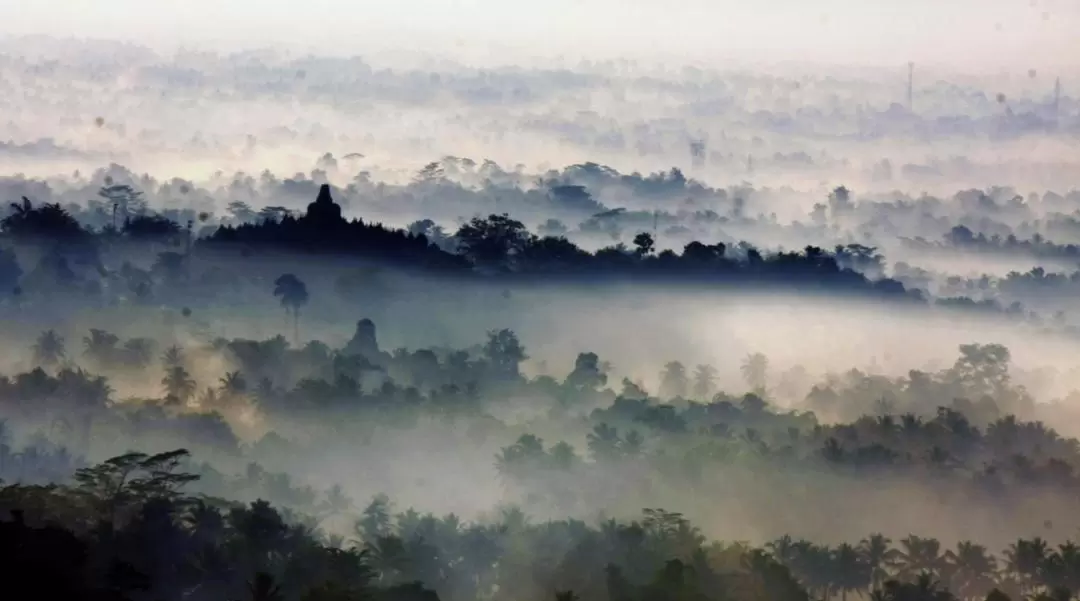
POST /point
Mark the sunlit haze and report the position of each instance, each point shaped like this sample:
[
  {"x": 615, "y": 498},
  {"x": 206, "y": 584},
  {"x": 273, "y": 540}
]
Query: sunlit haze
[
  {"x": 594, "y": 300},
  {"x": 982, "y": 34}
]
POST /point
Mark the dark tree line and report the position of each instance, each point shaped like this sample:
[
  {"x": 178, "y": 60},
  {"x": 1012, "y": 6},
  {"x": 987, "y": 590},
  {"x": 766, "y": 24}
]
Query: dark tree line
[{"x": 127, "y": 529}]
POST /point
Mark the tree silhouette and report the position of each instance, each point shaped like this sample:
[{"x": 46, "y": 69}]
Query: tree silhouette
[
  {"x": 644, "y": 243},
  {"x": 878, "y": 556},
  {"x": 755, "y": 373},
  {"x": 1024, "y": 559},
  {"x": 704, "y": 382},
  {"x": 47, "y": 222},
  {"x": 504, "y": 353},
  {"x": 673, "y": 381},
  {"x": 587, "y": 374},
  {"x": 263, "y": 588},
  {"x": 233, "y": 384},
  {"x": 49, "y": 350},
  {"x": 293, "y": 295},
  {"x": 100, "y": 346},
  {"x": 492, "y": 242},
  {"x": 137, "y": 352},
  {"x": 173, "y": 357},
  {"x": 178, "y": 384},
  {"x": 851, "y": 572},
  {"x": 124, "y": 200},
  {"x": 970, "y": 570},
  {"x": 919, "y": 555}
]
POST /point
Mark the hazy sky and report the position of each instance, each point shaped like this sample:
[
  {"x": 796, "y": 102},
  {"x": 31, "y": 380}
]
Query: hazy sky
[{"x": 989, "y": 34}]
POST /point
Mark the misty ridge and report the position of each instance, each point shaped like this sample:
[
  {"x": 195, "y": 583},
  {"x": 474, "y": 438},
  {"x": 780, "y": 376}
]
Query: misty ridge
[
  {"x": 688, "y": 334},
  {"x": 197, "y": 111}
]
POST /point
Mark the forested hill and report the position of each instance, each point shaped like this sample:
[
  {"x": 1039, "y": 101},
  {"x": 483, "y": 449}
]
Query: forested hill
[{"x": 501, "y": 246}]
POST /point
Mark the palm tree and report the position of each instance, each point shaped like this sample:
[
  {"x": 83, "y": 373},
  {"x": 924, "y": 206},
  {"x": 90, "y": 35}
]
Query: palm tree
[
  {"x": 293, "y": 295},
  {"x": 1024, "y": 559},
  {"x": 85, "y": 397},
  {"x": 924, "y": 588},
  {"x": 376, "y": 520},
  {"x": 673, "y": 380},
  {"x": 769, "y": 579},
  {"x": 704, "y": 382},
  {"x": 970, "y": 569},
  {"x": 336, "y": 503},
  {"x": 604, "y": 443},
  {"x": 783, "y": 549},
  {"x": 48, "y": 220},
  {"x": 208, "y": 399},
  {"x": 205, "y": 521},
  {"x": 388, "y": 556},
  {"x": 849, "y": 571},
  {"x": 49, "y": 349},
  {"x": 1067, "y": 559},
  {"x": 137, "y": 351},
  {"x": 878, "y": 555},
  {"x": 100, "y": 346},
  {"x": 919, "y": 555},
  {"x": 815, "y": 566},
  {"x": 173, "y": 357},
  {"x": 178, "y": 383},
  {"x": 755, "y": 372},
  {"x": 233, "y": 384}
]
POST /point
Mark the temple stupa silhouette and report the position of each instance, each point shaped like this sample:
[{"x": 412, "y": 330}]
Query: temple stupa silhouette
[{"x": 324, "y": 209}]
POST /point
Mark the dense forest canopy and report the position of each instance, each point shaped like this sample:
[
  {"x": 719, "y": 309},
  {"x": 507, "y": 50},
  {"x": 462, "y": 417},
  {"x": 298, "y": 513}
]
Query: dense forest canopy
[
  {"x": 541, "y": 474},
  {"x": 692, "y": 335}
]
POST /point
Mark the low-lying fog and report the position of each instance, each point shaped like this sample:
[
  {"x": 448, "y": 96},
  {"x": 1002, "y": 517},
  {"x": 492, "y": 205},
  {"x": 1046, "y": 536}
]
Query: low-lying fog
[{"x": 706, "y": 257}]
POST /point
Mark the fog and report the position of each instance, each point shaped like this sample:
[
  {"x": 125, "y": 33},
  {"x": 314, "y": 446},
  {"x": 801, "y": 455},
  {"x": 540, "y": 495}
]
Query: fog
[
  {"x": 611, "y": 301},
  {"x": 965, "y": 34}
]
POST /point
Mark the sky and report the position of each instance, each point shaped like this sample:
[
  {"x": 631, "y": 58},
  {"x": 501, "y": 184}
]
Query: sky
[{"x": 976, "y": 34}]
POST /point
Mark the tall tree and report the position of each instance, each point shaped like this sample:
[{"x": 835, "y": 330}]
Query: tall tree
[
  {"x": 492, "y": 242},
  {"x": 504, "y": 353},
  {"x": 293, "y": 295},
  {"x": 970, "y": 570},
  {"x": 644, "y": 244},
  {"x": 172, "y": 357},
  {"x": 233, "y": 384},
  {"x": 49, "y": 350},
  {"x": 850, "y": 572},
  {"x": 755, "y": 372},
  {"x": 879, "y": 556},
  {"x": 673, "y": 381},
  {"x": 376, "y": 521},
  {"x": 178, "y": 383},
  {"x": 588, "y": 373},
  {"x": 137, "y": 352},
  {"x": 918, "y": 555},
  {"x": 100, "y": 347},
  {"x": 704, "y": 382},
  {"x": 1024, "y": 559},
  {"x": 125, "y": 200}
]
